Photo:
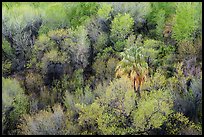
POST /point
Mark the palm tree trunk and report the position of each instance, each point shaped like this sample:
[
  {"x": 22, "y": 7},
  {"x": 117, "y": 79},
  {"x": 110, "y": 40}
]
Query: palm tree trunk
[
  {"x": 137, "y": 90},
  {"x": 134, "y": 85}
]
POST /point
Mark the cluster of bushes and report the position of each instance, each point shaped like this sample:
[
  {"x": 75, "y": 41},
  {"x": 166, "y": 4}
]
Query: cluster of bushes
[{"x": 102, "y": 68}]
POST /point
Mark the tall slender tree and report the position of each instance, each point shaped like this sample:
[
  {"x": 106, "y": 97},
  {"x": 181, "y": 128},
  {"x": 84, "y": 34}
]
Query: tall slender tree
[{"x": 133, "y": 66}]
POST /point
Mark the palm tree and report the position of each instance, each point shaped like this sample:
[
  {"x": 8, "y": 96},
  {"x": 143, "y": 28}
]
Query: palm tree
[{"x": 133, "y": 66}]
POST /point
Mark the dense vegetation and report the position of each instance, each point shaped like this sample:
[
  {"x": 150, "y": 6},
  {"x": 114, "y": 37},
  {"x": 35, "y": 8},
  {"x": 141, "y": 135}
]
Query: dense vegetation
[{"x": 102, "y": 68}]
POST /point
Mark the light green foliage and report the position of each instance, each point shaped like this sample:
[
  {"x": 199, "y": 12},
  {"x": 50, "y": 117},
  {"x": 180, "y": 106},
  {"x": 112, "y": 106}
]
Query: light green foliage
[
  {"x": 136, "y": 9},
  {"x": 6, "y": 67},
  {"x": 185, "y": 22},
  {"x": 158, "y": 55},
  {"x": 20, "y": 104},
  {"x": 104, "y": 11},
  {"x": 115, "y": 94},
  {"x": 150, "y": 49},
  {"x": 167, "y": 8},
  {"x": 58, "y": 35},
  {"x": 151, "y": 43},
  {"x": 118, "y": 101},
  {"x": 131, "y": 41},
  {"x": 14, "y": 103},
  {"x": 160, "y": 20},
  {"x": 156, "y": 81},
  {"x": 100, "y": 89},
  {"x": 105, "y": 68},
  {"x": 79, "y": 13},
  {"x": 6, "y": 47},
  {"x": 17, "y": 17},
  {"x": 49, "y": 48},
  {"x": 129, "y": 102},
  {"x": 101, "y": 42},
  {"x": 69, "y": 101},
  {"x": 111, "y": 64},
  {"x": 85, "y": 97},
  {"x": 99, "y": 67},
  {"x": 77, "y": 80},
  {"x": 119, "y": 45},
  {"x": 103, "y": 123},
  {"x": 134, "y": 41},
  {"x": 44, "y": 123},
  {"x": 107, "y": 52},
  {"x": 88, "y": 116},
  {"x": 63, "y": 84},
  {"x": 161, "y": 14},
  {"x": 9, "y": 4},
  {"x": 54, "y": 16},
  {"x": 110, "y": 124},
  {"x": 88, "y": 96},
  {"x": 53, "y": 56},
  {"x": 64, "y": 46},
  {"x": 178, "y": 124},
  {"x": 10, "y": 89},
  {"x": 198, "y": 16},
  {"x": 166, "y": 54},
  {"x": 72, "y": 127},
  {"x": 121, "y": 27},
  {"x": 78, "y": 97},
  {"x": 153, "y": 110},
  {"x": 43, "y": 43},
  {"x": 177, "y": 83}
]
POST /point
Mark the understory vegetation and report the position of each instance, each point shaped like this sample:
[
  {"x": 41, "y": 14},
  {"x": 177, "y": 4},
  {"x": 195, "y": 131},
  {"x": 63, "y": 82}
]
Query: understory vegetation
[{"x": 102, "y": 68}]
